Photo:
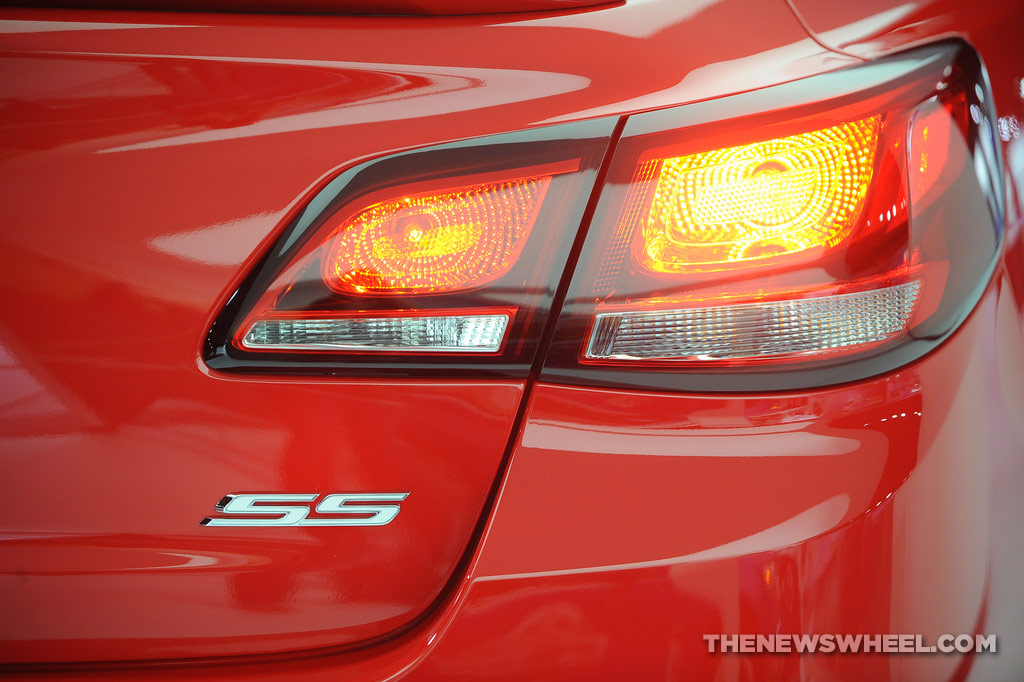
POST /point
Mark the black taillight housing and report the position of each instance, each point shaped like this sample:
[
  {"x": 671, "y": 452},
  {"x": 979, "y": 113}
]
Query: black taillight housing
[{"x": 805, "y": 234}]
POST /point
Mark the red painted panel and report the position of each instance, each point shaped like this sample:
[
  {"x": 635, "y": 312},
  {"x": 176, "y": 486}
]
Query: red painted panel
[
  {"x": 907, "y": 554},
  {"x": 631, "y": 524},
  {"x": 850, "y": 525},
  {"x": 111, "y": 463},
  {"x": 148, "y": 159},
  {"x": 378, "y": 7}
]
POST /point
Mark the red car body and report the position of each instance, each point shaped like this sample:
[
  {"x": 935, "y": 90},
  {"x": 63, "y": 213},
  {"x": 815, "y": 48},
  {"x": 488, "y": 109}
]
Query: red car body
[{"x": 552, "y": 531}]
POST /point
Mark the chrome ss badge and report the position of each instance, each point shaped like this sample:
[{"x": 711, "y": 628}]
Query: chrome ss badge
[{"x": 292, "y": 509}]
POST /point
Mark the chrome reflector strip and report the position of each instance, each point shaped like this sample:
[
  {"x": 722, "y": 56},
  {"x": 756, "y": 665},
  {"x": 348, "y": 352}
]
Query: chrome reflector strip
[
  {"x": 755, "y": 329},
  {"x": 448, "y": 333}
]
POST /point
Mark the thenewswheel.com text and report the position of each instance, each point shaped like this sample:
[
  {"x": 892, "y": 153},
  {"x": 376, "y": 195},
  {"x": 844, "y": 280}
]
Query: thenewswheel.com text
[{"x": 849, "y": 644}]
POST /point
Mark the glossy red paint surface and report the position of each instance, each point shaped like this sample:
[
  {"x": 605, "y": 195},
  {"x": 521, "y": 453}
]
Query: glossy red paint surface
[
  {"x": 655, "y": 518},
  {"x": 381, "y": 7},
  {"x": 148, "y": 159},
  {"x": 118, "y": 531},
  {"x": 618, "y": 541}
]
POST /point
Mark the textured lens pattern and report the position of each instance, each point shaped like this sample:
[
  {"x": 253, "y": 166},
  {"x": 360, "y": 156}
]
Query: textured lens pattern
[
  {"x": 758, "y": 201},
  {"x": 483, "y": 333},
  {"x": 756, "y": 330},
  {"x": 434, "y": 243}
]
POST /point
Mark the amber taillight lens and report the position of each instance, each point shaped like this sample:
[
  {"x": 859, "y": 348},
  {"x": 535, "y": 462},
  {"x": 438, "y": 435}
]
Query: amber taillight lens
[
  {"x": 754, "y": 205},
  {"x": 433, "y": 242}
]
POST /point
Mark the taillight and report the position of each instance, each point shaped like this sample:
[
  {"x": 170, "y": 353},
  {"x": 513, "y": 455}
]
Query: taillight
[
  {"x": 441, "y": 260},
  {"x": 805, "y": 234},
  {"x": 816, "y": 232}
]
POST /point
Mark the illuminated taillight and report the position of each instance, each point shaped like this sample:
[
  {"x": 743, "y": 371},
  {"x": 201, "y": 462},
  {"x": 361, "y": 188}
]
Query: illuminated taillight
[
  {"x": 436, "y": 241},
  {"x": 442, "y": 260},
  {"x": 810, "y": 233},
  {"x": 755, "y": 204}
]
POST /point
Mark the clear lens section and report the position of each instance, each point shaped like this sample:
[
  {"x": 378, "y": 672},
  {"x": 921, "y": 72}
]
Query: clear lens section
[
  {"x": 481, "y": 333},
  {"x": 754, "y": 330}
]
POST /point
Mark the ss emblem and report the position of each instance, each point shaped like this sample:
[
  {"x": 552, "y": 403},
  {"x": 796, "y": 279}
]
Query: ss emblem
[{"x": 335, "y": 509}]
